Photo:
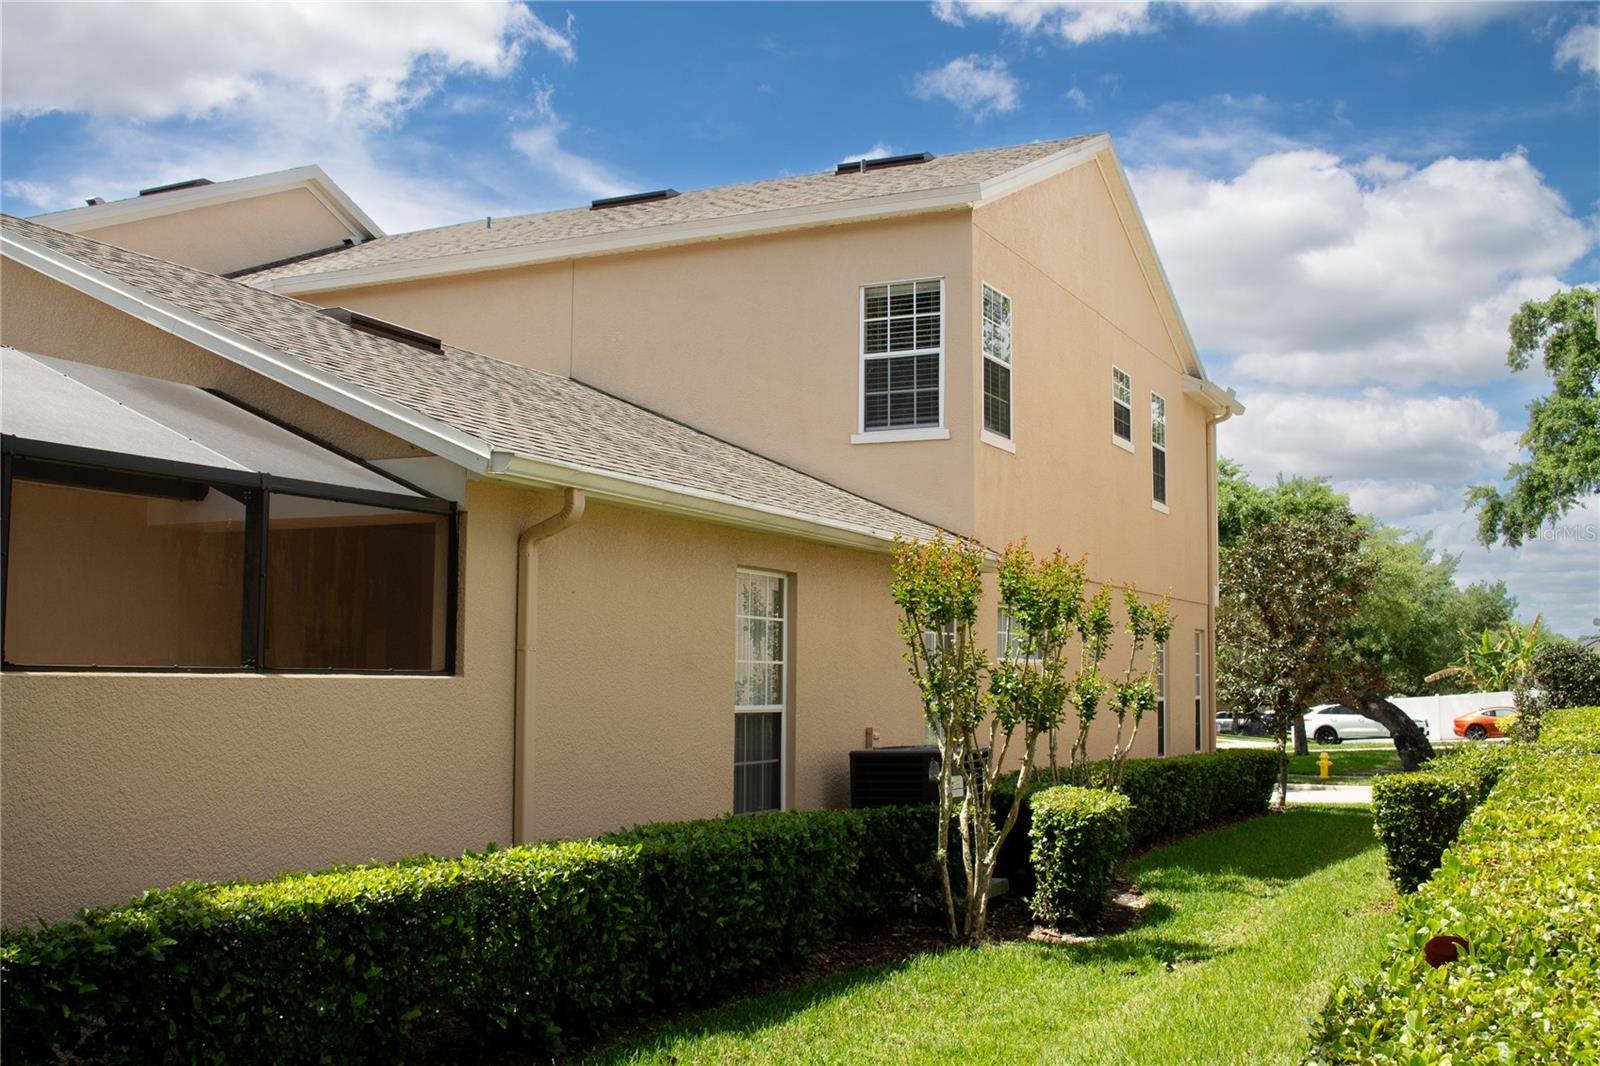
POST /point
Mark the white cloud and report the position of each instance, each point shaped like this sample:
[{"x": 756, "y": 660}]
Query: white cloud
[
  {"x": 159, "y": 61},
  {"x": 1309, "y": 269},
  {"x": 1081, "y": 21},
  {"x": 879, "y": 150},
  {"x": 1439, "y": 440},
  {"x": 1580, "y": 47},
  {"x": 172, "y": 91},
  {"x": 978, "y": 85},
  {"x": 1078, "y": 98}
]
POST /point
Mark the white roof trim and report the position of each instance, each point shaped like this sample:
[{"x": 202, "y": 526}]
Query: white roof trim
[
  {"x": 401, "y": 421},
  {"x": 136, "y": 208},
  {"x": 862, "y": 209},
  {"x": 424, "y": 432},
  {"x": 667, "y": 498},
  {"x": 1221, "y": 401}
]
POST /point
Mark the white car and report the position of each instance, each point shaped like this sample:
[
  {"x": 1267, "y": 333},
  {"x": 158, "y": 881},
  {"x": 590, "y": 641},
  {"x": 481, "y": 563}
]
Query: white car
[{"x": 1332, "y": 723}]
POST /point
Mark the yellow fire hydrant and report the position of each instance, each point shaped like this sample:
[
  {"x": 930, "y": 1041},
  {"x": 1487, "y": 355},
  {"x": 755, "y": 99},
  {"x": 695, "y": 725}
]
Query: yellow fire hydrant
[{"x": 1325, "y": 763}]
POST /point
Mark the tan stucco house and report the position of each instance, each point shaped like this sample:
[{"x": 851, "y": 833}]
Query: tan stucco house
[{"x": 324, "y": 545}]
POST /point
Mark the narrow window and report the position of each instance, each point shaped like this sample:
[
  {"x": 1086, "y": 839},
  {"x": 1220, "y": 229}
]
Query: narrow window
[
  {"x": 1199, "y": 684},
  {"x": 902, "y": 349},
  {"x": 1161, "y": 700},
  {"x": 996, "y": 362},
  {"x": 1121, "y": 405},
  {"x": 1158, "y": 449},
  {"x": 760, "y": 689}
]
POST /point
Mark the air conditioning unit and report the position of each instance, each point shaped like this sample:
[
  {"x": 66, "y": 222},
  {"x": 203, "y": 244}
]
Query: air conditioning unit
[{"x": 896, "y": 776}]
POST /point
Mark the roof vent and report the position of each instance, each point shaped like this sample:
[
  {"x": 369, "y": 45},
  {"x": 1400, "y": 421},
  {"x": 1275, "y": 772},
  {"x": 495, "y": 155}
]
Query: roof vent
[
  {"x": 379, "y": 328},
  {"x": 861, "y": 166},
  {"x": 192, "y": 183},
  {"x": 632, "y": 198},
  {"x": 95, "y": 201}
]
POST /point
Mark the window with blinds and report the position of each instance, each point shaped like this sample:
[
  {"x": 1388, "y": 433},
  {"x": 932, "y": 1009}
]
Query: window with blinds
[
  {"x": 1121, "y": 405},
  {"x": 760, "y": 690},
  {"x": 902, "y": 346},
  {"x": 996, "y": 362},
  {"x": 1158, "y": 449},
  {"x": 1199, "y": 684}
]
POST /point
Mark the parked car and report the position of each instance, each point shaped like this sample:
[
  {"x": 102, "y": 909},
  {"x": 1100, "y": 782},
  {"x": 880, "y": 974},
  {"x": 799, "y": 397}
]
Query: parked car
[
  {"x": 1485, "y": 723},
  {"x": 1334, "y": 723},
  {"x": 1228, "y": 722}
]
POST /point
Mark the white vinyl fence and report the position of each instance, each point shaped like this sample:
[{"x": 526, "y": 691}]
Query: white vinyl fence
[{"x": 1440, "y": 712}]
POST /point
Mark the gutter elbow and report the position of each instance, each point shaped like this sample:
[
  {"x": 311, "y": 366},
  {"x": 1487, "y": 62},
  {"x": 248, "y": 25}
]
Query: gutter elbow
[{"x": 573, "y": 502}]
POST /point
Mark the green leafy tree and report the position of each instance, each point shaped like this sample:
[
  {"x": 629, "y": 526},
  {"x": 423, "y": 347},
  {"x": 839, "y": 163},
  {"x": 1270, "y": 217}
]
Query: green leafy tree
[
  {"x": 1133, "y": 695},
  {"x": 1563, "y": 435},
  {"x": 1495, "y": 660},
  {"x": 938, "y": 585},
  {"x": 1089, "y": 686},
  {"x": 1288, "y": 591}
]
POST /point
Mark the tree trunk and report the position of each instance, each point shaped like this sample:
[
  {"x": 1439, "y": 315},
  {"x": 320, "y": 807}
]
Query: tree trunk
[
  {"x": 1283, "y": 769},
  {"x": 1300, "y": 736},
  {"x": 1410, "y": 743}
]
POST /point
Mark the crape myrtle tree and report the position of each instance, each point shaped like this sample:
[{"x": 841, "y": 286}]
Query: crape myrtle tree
[
  {"x": 1289, "y": 589},
  {"x": 1134, "y": 693},
  {"x": 938, "y": 585}
]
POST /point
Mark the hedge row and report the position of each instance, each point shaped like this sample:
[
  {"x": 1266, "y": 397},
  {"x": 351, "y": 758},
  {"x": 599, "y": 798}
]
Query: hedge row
[
  {"x": 539, "y": 943},
  {"x": 1418, "y": 815},
  {"x": 1078, "y": 835},
  {"x": 1167, "y": 796},
  {"x": 1520, "y": 887}
]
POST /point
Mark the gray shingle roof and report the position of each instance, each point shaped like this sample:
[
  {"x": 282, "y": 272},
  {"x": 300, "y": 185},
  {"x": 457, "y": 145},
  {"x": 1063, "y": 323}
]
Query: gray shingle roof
[
  {"x": 806, "y": 190},
  {"x": 508, "y": 407}
]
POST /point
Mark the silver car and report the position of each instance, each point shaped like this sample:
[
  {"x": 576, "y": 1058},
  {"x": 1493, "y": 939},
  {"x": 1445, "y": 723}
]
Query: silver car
[{"x": 1333, "y": 723}]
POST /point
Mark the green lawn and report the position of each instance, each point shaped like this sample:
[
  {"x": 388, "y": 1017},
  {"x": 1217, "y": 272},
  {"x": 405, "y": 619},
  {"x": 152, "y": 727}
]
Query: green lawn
[{"x": 1245, "y": 930}]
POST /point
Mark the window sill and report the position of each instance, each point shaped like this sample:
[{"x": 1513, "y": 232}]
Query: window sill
[
  {"x": 1157, "y": 505},
  {"x": 894, "y": 436},
  {"x": 1125, "y": 445},
  {"x": 1005, "y": 444}
]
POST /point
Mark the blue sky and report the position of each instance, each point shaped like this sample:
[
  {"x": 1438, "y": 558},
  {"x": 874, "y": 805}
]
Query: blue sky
[{"x": 1350, "y": 198}]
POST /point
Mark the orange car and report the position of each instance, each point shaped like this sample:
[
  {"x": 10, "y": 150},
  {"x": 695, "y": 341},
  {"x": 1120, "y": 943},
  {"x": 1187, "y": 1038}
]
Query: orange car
[{"x": 1489, "y": 722}]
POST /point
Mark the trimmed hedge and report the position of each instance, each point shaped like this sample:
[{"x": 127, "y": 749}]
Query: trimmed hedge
[
  {"x": 1167, "y": 796},
  {"x": 389, "y": 961},
  {"x": 1418, "y": 815},
  {"x": 1520, "y": 886},
  {"x": 1078, "y": 835},
  {"x": 1574, "y": 731}
]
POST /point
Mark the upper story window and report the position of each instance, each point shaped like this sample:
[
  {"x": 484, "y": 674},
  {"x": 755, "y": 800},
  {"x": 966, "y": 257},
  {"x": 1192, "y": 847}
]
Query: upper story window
[
  {"x": 1121, "y": 406},
  {"x": 996, "y": 362},
  {"x": 1158, "y": 449},
  {"x": 902, "y": 355}
]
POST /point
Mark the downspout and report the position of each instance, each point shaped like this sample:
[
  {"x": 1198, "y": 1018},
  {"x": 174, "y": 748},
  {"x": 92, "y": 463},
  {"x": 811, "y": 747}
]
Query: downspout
[
  {"x": 573, "y": 502},
  {"x": 1214, "y": 576}
]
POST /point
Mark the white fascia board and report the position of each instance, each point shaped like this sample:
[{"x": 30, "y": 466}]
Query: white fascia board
[
  {"x": 1040, "y": 169},
  {"x": 664, "y": 497},
  {"x": 763, "y": 222},
  {"x": 136, "y": 208},
  {"x": 415, "y": 428},
  {"x": 1214, "y": 396}
]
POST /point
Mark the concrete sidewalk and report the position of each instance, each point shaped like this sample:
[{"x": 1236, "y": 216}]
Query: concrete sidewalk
[{"x": 1307, "y": 793}]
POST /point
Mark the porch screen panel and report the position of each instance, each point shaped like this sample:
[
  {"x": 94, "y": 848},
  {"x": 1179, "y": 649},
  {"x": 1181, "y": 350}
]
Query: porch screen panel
[
  {"x": 151, "y": 576},
  {"x": 354, "y": 587}
]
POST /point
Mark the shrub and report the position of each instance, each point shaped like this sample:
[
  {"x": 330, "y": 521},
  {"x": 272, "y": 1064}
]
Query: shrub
[
  {"x": 1418, "y": 815},
  {"x": 1562, "y": 673},
  {"x": 1573, "y": 731},
  {"x": 1078, "y": 835},
  {"x": 1167, "y": 796},
  {"x": 1519, "y": 886},
  {"x": 386, "y": 961}
]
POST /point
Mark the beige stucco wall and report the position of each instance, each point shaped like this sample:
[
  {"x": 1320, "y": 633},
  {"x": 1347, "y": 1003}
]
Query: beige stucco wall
[
  {"x": 755, "y": 341},
  {"x": 232, "y": 236},
  {"x": 1081, "y": 304}
]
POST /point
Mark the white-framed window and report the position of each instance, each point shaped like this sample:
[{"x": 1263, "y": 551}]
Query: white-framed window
[
  {"x": 1161, "y": 699},
  {"x": 1158, "y": 450},
  {"x": 1121, "y": 406},
  {"x": 1011, "y": 640},
  {"x": 996, "y": 362},
  {"x": 1199, "y": 685},
  {"x": 902, "y": 356},
  {"x": 760, "y": 690}
]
